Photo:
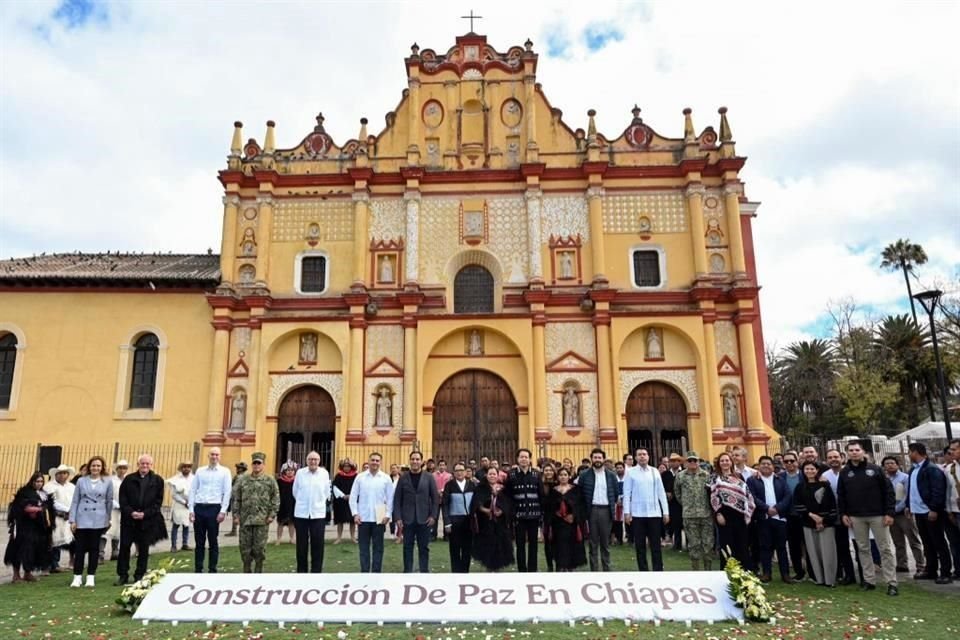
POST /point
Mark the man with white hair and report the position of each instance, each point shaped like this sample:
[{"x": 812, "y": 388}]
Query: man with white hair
[
  {"x": 61, "y": 490},
  {"x": 141, "y": 520}
]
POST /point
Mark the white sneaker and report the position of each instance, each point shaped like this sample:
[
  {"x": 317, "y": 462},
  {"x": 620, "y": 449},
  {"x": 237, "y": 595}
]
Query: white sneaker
[
  {"x": 90, "y": 582},
  {"x": 77, "y": 581}
]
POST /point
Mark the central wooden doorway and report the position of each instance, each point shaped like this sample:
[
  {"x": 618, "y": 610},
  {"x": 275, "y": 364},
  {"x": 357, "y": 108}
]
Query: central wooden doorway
[
  {"x": 306, "y": 421},
  {"x": 474, "y": 414},
  {"x": 657, "y": 420}
]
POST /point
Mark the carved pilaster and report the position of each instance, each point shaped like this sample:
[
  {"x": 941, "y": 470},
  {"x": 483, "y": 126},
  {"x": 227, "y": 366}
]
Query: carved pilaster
[
  {"x": 534, "y": 199},
  {"x": 412, "y": 248}
]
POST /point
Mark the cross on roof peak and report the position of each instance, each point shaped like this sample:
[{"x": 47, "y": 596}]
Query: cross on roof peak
[{"x": 471, "y": 18}]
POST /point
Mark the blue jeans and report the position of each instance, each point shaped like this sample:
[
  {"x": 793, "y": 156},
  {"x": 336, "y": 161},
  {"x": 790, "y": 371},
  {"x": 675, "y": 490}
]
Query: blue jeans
[
  {"x": 371, "y": 531},
  {"x": 206, "y": 529},
  {"x": 173, "y": 536},
  {"x": 419, "y": 533}
]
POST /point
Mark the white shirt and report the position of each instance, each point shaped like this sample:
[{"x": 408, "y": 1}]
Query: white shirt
[
  {"x": 832, "y": 477},
  {"x": 211, "y": 485},
  {"x": 311, "y": 490},
  {"x": 600, "y": 488},
  {"x": 747, "y": 472},
  {"x": 953, "y": 476},
  {"x": 643, "y": 494},
  {"x": 770, "y": 494},
  {"x": 372, "y": 493}
]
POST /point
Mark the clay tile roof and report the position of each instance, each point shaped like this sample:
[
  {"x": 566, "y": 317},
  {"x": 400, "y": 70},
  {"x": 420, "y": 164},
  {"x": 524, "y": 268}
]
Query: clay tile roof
[{"x": 113, "y": 268}]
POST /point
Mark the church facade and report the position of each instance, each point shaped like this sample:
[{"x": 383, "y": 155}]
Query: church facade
[{"x": 476, "y": 277}]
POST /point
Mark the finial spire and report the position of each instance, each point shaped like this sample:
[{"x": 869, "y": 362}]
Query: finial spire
[
  {"x": 636, "y": 113},
  {"x": 236, "y": 145},
  {"x": 269, "y": 141},
  {"x": 725, "y": 134},
  {"x": 363, "y": 131},
  {"x": 591, "y": 125},
  {"x": 688, "y": 133},
  {"x": 471, "y": 18},
  {"x": 319, "y": 127}
]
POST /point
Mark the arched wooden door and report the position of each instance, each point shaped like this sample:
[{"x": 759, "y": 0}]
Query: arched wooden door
[
  {"x": 474, "y": 414},
  {"x": 306, "y": 421},
  {"x": 656, "y": 420}
]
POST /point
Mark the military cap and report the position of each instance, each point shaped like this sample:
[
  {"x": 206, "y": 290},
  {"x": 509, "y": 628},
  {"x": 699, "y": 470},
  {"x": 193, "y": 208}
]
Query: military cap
[
  {"x": 692, "y": 455},
  {"x": 258, "y": 456},
  {"x": 241, "y": 465}
]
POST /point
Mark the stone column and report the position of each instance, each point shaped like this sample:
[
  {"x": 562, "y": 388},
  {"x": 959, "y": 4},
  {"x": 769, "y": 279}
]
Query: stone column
[
  {"x": 731, "y": 200},
  {"x": 412, "y": 242},
  {"x": 228, "y": 242},
  {"x": 595, "y": 209},
  {"x": 355, "y": 391},
  {"x": 540, "y": 418},
  {"x": 408, "y": 432},
  {"x": 218, "y": 375},
  {"x": 534, "y": 199},
  {"x": 712, "y": 406},
  {"x": 413, "y": 121},
  {"x": 254, "y": 405},
  {"x": 605, "y": 389},
  {"x": 694, "y": 193},
  {"x": 264, "y": 225},
  {"x": 751, "y": 378},
  {"x": 361, "y": 244}
]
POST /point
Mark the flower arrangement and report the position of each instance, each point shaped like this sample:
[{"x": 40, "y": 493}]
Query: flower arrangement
[
  {"x": 133, "y": 594},
  {"x": 748, "y": 593}
]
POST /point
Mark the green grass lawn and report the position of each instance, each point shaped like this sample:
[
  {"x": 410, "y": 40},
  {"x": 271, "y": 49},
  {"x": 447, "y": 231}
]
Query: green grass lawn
[{"x": 49, "y": 609}]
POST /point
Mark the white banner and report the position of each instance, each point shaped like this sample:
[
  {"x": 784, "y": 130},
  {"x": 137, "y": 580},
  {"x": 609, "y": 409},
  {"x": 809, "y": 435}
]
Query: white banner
[{"x": 439, "y": 597}]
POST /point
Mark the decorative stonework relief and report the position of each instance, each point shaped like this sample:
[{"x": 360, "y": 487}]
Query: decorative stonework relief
[
  {"x": 589, "y": 410},
  {"x": 685, "y": 380},
  {"x": 726, "y": 340},
  {"x": 562, "y": 337},
  {"x": 508, "y": 236},
  {"x": 242, "y": 337},
  {"x": 370, "y": 398},
  {"x": 665, "y": 211},
  {"x": 439, "y": 236},
  {"x": 564, "y": 216},
  {"x": 332, "y": 383},
  {"x": 384, "y": 341},
  {"x": 387, "y": 218},
  {"x": 333, "y": 217}
]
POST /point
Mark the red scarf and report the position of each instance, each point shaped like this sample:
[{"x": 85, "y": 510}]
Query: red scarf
[{"x": 283, "y": 478}]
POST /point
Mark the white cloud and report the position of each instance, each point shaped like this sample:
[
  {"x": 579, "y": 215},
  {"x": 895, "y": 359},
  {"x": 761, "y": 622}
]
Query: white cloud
[{"x": 111, "y": 134}]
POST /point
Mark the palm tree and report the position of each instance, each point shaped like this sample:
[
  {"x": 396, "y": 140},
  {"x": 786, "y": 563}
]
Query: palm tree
[
  {"x": 904, "y": 255},
  {"x": 909, "y": 348},
  {"x": 807, "y": 373}
]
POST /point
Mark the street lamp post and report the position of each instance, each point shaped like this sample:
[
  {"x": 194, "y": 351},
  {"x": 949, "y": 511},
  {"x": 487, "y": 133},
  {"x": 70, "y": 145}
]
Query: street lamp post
[{"x": 929, "y": 300}]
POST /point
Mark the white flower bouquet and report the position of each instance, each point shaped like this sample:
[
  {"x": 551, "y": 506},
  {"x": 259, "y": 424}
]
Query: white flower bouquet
[
  {"x": 133, "y": 594},
  {"x": 748, "y": 593}
]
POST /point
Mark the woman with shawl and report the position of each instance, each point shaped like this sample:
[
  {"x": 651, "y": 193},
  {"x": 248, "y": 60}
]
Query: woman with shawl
[
  {"x": 733, "y": 506},
  {"x": 288, "y": 472},
  {"x": 342, "y": 486},
  {"x": 492, "y": 513},
  {"x": 30, "y": 524},
  {"x": 566, "y": 520}
]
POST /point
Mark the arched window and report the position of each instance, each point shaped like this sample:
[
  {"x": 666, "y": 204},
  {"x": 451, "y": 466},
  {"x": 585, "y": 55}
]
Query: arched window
[
  {"x": 143, "y": 383},
  {"x": 8, "y": 362},
  {"x": 473, "y": 290}
]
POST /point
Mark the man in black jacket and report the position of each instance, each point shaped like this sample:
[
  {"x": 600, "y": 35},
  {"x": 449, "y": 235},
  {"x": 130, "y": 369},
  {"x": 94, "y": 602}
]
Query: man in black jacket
[
  {"x": 415, "y": 506},
  {"x": 525, "y": 487},
  {"x": 598, "y": 491},
  {"x": 675, "y": 528},
  {"x": 865, "y": 499},
  {"x": 141, "y": 521},
  {"x": 927, "y": 501},
  {"x": 457, "y": 497}
]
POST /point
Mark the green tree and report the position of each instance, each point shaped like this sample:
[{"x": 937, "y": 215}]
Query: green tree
[
  {"x": 865, "y": 382},
  {"x": 807, "y": 374},
  {"x": 904, "y": 255},
  {"x": 914, "y": 369}
]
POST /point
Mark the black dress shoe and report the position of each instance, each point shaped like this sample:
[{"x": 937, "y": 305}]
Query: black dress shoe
[
  {"x": 944, "y": 580},
  {"x": 845, "y": 582},
  {"x": 122, "y": 580},
  {"x": 892, "y": 590},
  {"x": 922, "y": 576},
  {"x": 866, "y": 586}
]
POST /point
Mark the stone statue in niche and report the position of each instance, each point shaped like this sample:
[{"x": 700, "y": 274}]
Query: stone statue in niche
[
  {"x": 713, "y": 238},
  {"x": 308, "y": 347},
  {"x": 247, "y": 274},
  {"x": 386, "y": 269},
  {"x": 654, "y": 344},
  {"x": 717, "y": 263},
  {"x": 566, "y": 265},
  {"x": 571, "y": 407},
  {"x": 313, "y": 231},
  {"x": 238, "y": 411},
  {"x": 475, "y": 343},
  {"x": 731, "y": 409},
  {"x": 473, "y": 223},
  {"x": 384, "y": 406},
  {"x": 249, "y": 248}
]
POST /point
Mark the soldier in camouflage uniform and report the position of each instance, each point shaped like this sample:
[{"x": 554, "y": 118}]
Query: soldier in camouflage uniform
[
  {"x": 256, "y": 500},
  {"x": 692, "y": 490}
]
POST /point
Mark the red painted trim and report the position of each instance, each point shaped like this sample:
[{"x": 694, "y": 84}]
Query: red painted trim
[
  {"x": 397, "y": 369},
  {"x": 492, "y": 355},
  {"x": 587, "y": 365},
  {"x": 681, "y": 368}
]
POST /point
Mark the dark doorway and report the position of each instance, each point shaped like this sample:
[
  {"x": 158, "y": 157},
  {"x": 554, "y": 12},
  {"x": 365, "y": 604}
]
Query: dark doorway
[
  {"x": 656, "y": 420},
  {"x": 474, "y": 414},
  {"x": 306, "y": 422}
]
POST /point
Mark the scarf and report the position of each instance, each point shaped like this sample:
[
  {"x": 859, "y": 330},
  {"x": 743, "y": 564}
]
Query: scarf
[{"x": 731, "y": 491}]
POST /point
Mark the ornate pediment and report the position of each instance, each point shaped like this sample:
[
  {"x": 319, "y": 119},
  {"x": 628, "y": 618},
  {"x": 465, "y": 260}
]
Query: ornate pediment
[
  {"x": 571, "y": 361},
  {"x": 385, "y": 367}
]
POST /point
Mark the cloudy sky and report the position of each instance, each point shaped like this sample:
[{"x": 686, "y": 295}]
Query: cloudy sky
[{"x": 115, "y": 117}]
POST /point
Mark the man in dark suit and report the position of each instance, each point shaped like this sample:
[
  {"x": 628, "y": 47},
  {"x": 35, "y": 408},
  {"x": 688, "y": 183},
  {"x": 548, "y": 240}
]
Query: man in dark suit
[
  {"x": 415, "y": 506},
  {"x": 675, "y": 528},
  {"x": 770, "y": 517},
  {"x": 141, "y": 521},
  {"x": 927, "y": 501}
]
